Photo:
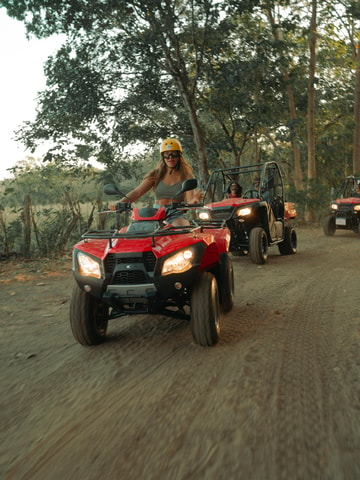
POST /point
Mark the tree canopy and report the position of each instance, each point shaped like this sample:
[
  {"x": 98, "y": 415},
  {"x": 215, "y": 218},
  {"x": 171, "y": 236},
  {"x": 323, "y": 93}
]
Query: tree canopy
[{"x": 229, "y": 78}]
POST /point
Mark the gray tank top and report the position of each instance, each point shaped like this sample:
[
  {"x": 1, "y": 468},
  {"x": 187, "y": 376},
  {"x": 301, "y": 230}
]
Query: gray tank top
[{"x": 164, "y": 191}]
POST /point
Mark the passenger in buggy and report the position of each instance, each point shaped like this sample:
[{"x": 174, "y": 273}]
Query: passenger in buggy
[
  {"x": 357, "y": 191},
  {"x": 234, "y": 190}
]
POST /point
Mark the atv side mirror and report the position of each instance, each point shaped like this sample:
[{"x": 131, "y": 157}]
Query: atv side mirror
[
  {"x": 333, "y": 193},
  {"x": 189, "y": 184},
  {"x": 111, "y": 189}
]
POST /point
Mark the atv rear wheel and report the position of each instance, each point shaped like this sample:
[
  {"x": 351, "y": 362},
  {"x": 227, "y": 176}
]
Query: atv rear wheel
[
  {"x": 258, "y": 245},
  {"x": 88, "y": 318},
  {"x": 205, "y": 311},
  {"x": 289, "y": 245},
  {"x": 226, "y": 284},
  {"x": 329, "y": 226}
]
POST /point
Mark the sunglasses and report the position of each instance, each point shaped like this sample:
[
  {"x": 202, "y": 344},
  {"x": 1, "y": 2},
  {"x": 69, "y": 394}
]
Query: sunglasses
[{"x": 169, "y": 155}]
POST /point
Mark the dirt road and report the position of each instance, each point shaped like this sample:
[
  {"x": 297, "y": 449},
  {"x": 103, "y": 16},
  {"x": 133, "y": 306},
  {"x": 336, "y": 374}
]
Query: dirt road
[{"x": 277, "y": 398}]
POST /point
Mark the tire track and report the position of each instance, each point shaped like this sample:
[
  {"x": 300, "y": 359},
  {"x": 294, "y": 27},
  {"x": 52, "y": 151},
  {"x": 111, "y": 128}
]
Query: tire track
[
  {"x": 277, "y": 398},
  {"x": 302, "y": 408}
]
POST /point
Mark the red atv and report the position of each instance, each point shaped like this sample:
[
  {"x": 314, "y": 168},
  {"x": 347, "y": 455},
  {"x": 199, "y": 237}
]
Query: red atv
[
  {"x": 259, "y": 217},
  {"x": 153, "y": 267},
  {"x": 345, "y": 208}
]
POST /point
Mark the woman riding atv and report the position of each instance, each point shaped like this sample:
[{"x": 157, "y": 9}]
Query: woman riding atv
[{"x": 166, "y": 179}]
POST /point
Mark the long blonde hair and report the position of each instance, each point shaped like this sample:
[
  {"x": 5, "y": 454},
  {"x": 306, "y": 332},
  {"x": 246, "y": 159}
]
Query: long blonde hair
[{"x": 158, "y": 173}]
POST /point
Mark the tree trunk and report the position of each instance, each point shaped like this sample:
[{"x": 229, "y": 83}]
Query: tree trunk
[
  {"x": 62, "y": 241},
  {"x": 198, "y": 133},
  {"x": 311, "y": 106},
  {"x": 170, "y": 45},
  {"x": 199, "y": 138},
  {"x": 291, "y": 102},
  {"x": 5, "y": 239},
  {"x": 356, "y": 147},
  {"x": 296, "y": 151}
]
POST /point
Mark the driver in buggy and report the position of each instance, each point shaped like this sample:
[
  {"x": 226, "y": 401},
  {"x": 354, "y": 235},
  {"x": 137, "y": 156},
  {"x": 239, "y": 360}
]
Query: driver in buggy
[
  {"x": 357, "y": 191},
  {"x": 253, "y": 190}
]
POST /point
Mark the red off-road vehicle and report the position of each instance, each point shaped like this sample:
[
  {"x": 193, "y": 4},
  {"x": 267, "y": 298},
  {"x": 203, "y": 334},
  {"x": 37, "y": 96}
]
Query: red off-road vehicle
[
  {"x": 260, "y": 217},
  {"x": 345, "y": 208},
  {"x": 151, "y": 266}
]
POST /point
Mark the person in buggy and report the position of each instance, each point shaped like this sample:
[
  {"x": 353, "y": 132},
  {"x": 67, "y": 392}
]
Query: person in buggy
[
  {"x": 234, "y": 190},
  {"x": 166, "y": 179},
  {"x": 357, "y": 191}
]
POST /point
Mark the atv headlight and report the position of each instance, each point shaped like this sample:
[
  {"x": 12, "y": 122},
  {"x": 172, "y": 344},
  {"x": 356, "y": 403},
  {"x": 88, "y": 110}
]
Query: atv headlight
[
  {"x": 88, "y": 267},
  {"x": 178, "y": 263},
  {"x": 334, "y": 206},
  {"x": 242, "y": 212},
  {"x": 357, "y": 208}
]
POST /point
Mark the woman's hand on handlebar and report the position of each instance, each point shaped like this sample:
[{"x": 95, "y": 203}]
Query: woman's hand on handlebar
[{"x": 119, "y": 205}]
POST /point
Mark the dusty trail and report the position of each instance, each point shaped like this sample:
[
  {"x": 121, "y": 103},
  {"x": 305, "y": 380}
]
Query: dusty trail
[{"x": 277, "y": 398}]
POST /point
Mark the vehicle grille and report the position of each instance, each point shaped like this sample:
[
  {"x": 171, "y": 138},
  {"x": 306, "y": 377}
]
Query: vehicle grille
[
  {"x": 221, "y": 213},
  {"x": 109, "y": 263},
  {"x": 345, "y": 207},
  {"x": 134, "y": 277},
  {"x": 148, "y": 259}
]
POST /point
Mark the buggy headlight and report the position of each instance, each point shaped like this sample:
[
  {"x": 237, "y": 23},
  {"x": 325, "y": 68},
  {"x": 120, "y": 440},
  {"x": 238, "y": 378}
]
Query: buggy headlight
[
  {"x": 88, "y": 267},
  {"x": 357, "y": 208},
  {"x": 178, "y": 263},
  {"x": 204, "y": 215},
  {"x": 242, "y": 212},
  {"x": 334, "y": 206}
]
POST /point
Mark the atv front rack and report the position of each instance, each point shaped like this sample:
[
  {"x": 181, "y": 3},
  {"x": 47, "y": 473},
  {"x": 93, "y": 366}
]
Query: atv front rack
[{"x": 193, "y": 228}]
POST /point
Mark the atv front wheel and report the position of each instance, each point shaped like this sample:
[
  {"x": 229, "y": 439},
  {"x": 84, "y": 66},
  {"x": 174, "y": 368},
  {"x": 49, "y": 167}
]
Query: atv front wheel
[
  {"x": 258, "y": 245},
  {"x": 226, "y": 284},
  {"x": 329, "y": 226},
  {"x": 88, "y": 318},
  {"x": 289, "y": 245},
  {"x": 205, "y": 311}
]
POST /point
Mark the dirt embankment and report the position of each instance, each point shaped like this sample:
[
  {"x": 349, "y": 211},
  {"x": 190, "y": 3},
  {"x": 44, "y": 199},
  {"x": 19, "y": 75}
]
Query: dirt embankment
[{"x": 277, "y": 398}]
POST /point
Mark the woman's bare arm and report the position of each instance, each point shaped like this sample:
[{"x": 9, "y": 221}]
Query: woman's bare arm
[
  {"x": 139, "y": 191},
  {"x": 194, "y": 196}
]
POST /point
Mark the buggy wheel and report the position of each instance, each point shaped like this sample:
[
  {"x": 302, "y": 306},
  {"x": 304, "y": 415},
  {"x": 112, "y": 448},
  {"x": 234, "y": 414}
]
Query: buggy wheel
[
  {"x": 329, "y": 226},
  {"x": 258, "y": 245},
  {"x": 88, "y": 318},
  {"x": 226, "y": 284},
  {"x": 205, "y": 311},
  {"x": 289, "y": 245}
]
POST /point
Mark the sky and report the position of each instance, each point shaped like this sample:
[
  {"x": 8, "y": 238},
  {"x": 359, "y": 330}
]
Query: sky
[{"x": 21, "y": 78}]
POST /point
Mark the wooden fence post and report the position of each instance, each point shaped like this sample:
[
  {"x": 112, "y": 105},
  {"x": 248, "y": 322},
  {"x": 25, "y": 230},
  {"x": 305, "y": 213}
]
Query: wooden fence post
[{"x": 26, "y": 218}]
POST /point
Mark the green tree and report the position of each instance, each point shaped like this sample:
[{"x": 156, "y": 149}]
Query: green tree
[
  {"x": 154, "y": 48},
  {"x": 229, "y": 78}
]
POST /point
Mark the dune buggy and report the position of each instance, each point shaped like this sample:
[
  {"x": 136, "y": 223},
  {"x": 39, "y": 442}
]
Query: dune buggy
[
  {"x": 260, "y": 217},
  {"x": 151, "y": 266},
  {"x": 344, "y": 208}
]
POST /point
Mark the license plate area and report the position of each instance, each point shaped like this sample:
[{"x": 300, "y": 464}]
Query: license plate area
[{"x": 341, "y": 221}]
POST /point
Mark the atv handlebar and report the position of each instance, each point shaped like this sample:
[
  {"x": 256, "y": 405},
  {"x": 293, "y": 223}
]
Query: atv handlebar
[
  {"x": 121, "y": 207},
  {"x": 182, "y": 205}
]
